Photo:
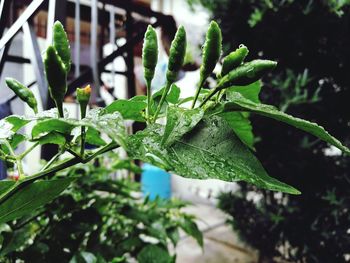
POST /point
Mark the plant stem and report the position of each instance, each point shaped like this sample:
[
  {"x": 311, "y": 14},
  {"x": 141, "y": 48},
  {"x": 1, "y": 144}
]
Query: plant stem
[
  {"x": 201, "y": 81},
  {"x": 31, "y": 148},
  {"x": 51, "y": 171},
  {"x": 83, "y": 134},
  {"x": 52, "y": 160},
  {"x": 59, "y": 106},
  {"x": 148, "y": 113},
  {"x": 162, "y": 99},
  {"x": 210, "y": 95},
  {"x": 18, "y": 160}
]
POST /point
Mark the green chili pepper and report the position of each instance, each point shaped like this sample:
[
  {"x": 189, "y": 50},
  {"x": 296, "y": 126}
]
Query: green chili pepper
[
  {"x": 56, "y": 77},
  {"x": 211, "y": 54},
  {"x": 243, "y": 75},
  {"x": 176, "y": 55},
  {"x": 247, "y": 73},
  {"x": 149, "y": 53},
  {"x": 234, "y": 59},
  {"x": 149, "y": 61},
  {"x": 61, "y": 44},
  {"x": 23, "y": 93},
  {"x": 176, "y": 59}
]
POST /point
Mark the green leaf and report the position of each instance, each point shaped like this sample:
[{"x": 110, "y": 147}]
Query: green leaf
[
  {"x": 139, "y": 98},
  {"x": 5, "y": 185},
  {"x": 240, "y": 103},
  {"x": 174, "y": 94},
  {"x": 172, "y": 97},
  {"x": 210, "y": 151},
  {"x": 15, "y": 140},
  {"x": 152, "y": 254},
  {"x": 17, "y": 122},
  {"x": 31, "y": 196},
  {"x": 52, "y": 138},
  {"x": 52, "y": 125},
  {"x": 84, "y": 257},
  {"x": 5, "y": 130},
  {"x": 191, "y": 228},
  {"x": 250, "y": 91},
  {"x": 179, "y": 122},
  {"x": 242, "y": 127},
  {"x": 129, "y": 109},
  {"x": 174, "y": 235},
  {"x": 110, "y": 124},
  {"x": 94, "y": 137}
]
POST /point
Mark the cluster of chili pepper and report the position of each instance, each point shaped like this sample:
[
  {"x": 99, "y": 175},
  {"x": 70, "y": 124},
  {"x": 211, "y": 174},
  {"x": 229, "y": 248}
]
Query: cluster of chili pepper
[{"x": 234, "y": 70}]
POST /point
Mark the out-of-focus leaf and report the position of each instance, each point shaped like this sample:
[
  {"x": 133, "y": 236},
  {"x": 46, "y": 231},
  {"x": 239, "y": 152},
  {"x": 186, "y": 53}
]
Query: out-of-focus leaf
[
  {"x": 30, "y": 197},
  {"x": 152, "y": 254},
  {"x": 191, "y": 228}
]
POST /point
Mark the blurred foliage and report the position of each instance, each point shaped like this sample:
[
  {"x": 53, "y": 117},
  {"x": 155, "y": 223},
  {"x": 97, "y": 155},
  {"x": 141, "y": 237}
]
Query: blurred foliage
[
  {"x": 310, "y": 38},
  {"x": 98, "y": 220}
]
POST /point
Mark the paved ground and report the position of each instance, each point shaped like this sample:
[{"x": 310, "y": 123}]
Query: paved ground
[{"x": 220, "y": 242}]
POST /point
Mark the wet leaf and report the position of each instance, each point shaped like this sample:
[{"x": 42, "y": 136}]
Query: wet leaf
[
  {"x": 239, "y": 103},
  {"x": 242, "y": 127},
  {"x": 129, "y": 109},
  {"x": 179, "y": 122},
  {"x": 210, "y": 151}
]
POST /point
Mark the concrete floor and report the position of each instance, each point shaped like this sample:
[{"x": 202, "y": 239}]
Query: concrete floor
[{"x": 221, "y": 244}]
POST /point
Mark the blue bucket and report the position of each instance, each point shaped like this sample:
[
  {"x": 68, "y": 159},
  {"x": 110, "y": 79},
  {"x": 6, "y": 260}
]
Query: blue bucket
[{"x": 155, "y": 182}]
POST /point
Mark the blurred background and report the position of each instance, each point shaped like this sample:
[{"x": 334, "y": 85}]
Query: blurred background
[{"x": 309, "y": 39}]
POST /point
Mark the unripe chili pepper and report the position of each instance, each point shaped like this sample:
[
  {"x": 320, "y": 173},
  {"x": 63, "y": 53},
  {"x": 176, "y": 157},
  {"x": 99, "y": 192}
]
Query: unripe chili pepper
[
  {"x": 177, "y": 54},
  {"x": 83, "y": 97},
  {"x": 149, "y": 53},
  {"x": 243, "y": 75},
  {"x": 247, "y": 73},
  {"x": 234, "y": 59},
  {"x": 211, "y": 50},
  {"x": 23, "y": 93},
  {"x": 176, "y": 59},
  {"x": 211, "y": 54},
  {"x": 56, "y": 77},
  {"x": 149, "y": 61},
  {"x": 61, "y": 44}
]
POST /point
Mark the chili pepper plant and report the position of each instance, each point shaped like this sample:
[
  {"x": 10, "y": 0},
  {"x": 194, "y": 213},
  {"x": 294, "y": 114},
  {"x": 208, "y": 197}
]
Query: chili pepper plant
[
  {"x": 98, "y": 219},
  {"x": 205, "y": 141}
]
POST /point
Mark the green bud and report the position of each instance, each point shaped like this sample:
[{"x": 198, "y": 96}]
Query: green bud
[
  {"x": 83, "y": 94},
  {"x": 83, "y": 97}
]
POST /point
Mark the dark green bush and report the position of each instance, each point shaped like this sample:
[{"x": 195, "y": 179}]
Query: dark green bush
[
  {"x": 98, "y": 220},
  {"x": 300, "y": 35}
]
